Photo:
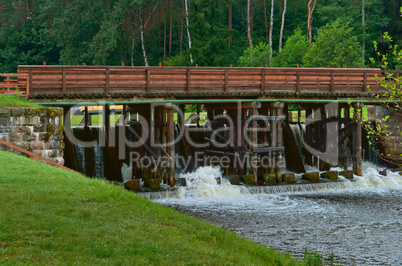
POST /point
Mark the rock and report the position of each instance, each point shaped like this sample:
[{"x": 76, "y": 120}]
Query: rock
[
  {"x": 270, "y": 179},
  {"x": 249, "y": 180},
  {"x": 348, "y": 174},
  {"x": 181, "y": 182},
  {"x": 383, "y": 172},
  {"x": 332, "y": 175},
  {"x": 234, "y": 179},
  {"x": 133, "y": 185},
  {"x": 154, "y": 184},
  {"x": 313, "y": 177},
  {"x": 289, "y": 178},
  {"x": 5, "y": 112}
]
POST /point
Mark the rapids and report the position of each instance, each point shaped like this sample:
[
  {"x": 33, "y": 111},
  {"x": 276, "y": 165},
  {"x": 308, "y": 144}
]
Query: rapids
[{"x": 359, "y": 221}]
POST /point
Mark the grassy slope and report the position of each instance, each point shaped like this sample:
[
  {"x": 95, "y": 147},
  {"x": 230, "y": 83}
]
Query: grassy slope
[
  {"x": 51, "y": 216},
  {"x": 14, "y": 101}
]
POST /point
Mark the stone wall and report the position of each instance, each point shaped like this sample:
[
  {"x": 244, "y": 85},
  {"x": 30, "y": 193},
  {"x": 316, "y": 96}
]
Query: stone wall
[{"x": 37, "y": 130}]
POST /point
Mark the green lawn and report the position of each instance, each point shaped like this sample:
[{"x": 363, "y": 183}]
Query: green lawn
[
  {"x": 52, "y": 216},
  {"x": 15, "y": 101}
]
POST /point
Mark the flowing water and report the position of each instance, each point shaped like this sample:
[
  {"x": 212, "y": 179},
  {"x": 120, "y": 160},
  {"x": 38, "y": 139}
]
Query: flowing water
[{"x": 360, "y": 221}]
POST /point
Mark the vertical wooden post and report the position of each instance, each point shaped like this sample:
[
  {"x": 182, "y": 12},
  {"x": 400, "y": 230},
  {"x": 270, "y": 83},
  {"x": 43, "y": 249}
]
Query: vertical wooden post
[
  {"x": 63, "y": 81},
  {"x": 298, "y": 88},
  {"x": 170, "y": 135},
  {"x": 107, "y": 80},
  {"x": 357, "y": 162},
  {"x": 255, "y": 140},
  {"x": 226, "y": 80},
  {"x": 263, "y": 80},
  {"x": 346, "y": 114},
  {"x": 28, "y": 84},
  {"x": 365, "y": 89},
  {"x": 198, "y": 115},
  {"x": 278, "y": 170},
  {"x": 30, "y": 79},
  {"x": 86, "y": 117},
  {"x": 332, "y": 81},
  {"x": 148, "y": 73},
  {"x": 188, "y": 80}
]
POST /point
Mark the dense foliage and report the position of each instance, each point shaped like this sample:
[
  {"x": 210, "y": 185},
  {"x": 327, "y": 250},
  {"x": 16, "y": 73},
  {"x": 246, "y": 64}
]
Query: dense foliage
[{"x": 109, "y": 32}]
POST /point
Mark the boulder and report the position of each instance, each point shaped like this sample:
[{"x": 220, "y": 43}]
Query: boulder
[
  {"x": 133, "y": 185},
  {"x": 348, "y": 174},
  {"x": 154, "y": 184},
  {"x": 289, "y": 178},
  {"x": 313, "y": 177},
  {"x": 249, "y": 180},
  {"x": 332, "y": 175},
  {"x": 234, "y": 179},
  {"x": 270, "y": 179}
]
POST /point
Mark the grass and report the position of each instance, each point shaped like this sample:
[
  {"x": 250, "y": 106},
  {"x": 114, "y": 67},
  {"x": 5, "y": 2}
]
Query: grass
[
  {"x": 15, "y": 101},
  {"x": 52, "y": 216}
]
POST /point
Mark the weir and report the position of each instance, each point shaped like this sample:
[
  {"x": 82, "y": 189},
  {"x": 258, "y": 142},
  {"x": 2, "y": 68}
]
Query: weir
[{"x": 258, "y": 121}]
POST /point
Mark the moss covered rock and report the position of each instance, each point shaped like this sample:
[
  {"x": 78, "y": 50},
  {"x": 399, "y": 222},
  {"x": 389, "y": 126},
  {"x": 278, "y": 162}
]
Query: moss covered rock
[
  {"x": 332, "y": 175},
  {"x": 270, "y": 179},
  {"x": 249, "y": 180},
  {"x": 313, "y": 177},
  {"x": 348, "y": 174},
  {"x": 289, "y": 178}
]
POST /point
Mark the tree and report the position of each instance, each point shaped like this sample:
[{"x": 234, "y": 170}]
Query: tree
[
  {"x": 188, "y": 31},
  {"x": 336, "y": 46},
  {"x": 310, "y": 18},
  {"x": 282, "y": 25},
  {"x": 271, "y": 25},
  {"x": 295, "y": 49},
  {"x": 257, "y": 56},
  {"x": 249, "y": 37},
  {"x": 387, "y": 128}
]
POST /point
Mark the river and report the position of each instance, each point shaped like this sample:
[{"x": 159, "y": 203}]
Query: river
[{"x": 359, "y": 222}]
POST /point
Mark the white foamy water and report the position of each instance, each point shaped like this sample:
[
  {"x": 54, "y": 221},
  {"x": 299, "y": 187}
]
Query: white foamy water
[
  {"x": 203, "y": 183},
  {"x": 359, "y": 221}
]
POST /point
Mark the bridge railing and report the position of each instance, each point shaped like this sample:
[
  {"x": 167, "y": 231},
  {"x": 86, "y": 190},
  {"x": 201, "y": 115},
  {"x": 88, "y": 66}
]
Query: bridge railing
[
  {"x": 99, "y": 79},
  {"x": 14, "y": 83}
]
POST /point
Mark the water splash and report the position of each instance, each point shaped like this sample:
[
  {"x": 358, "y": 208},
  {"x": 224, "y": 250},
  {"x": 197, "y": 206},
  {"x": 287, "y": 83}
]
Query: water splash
[
  {"x": 80, "y": 151},
  {"x": 99, "y": 166},
  {"x": 127, "y": 172},
  {"x": 203, "y": 183}
]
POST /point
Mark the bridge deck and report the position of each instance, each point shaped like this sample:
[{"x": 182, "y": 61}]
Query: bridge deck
[{"x": 185, "y": 82}]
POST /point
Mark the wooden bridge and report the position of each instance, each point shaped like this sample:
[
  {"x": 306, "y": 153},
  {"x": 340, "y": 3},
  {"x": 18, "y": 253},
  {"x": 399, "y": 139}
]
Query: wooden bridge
[{"x": 46, "y": 83}]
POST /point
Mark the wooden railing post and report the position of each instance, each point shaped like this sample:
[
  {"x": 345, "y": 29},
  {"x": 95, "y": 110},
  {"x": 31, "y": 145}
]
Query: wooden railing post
[
  {"x": 8, "y": 84},
  {"x": 63, "y": 81},
  {"x": 263, "y": 80},
  {"x": 365, "y": 82},
  {"x": 188, "y": 80},
  {"x": 332, "y": 81},
  {"x": 107, "y": 80},
  {"x": 298, "y": 81},
  {"x": 148, "y": 80},
  {"x": 30, "y": 79},
  {"x": 226, "y": 80},
  {"x": 27, "y": 84}
]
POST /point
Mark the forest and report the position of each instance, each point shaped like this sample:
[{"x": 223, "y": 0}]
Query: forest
[{"x": 275, "y": 33}]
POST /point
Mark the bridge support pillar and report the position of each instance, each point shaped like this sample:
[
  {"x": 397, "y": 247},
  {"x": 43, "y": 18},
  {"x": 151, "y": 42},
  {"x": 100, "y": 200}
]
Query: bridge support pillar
[{"x": 357, "y": 145}]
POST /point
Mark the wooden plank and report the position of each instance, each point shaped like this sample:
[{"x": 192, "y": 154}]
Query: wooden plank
[{"x": 263, "y": 80}]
